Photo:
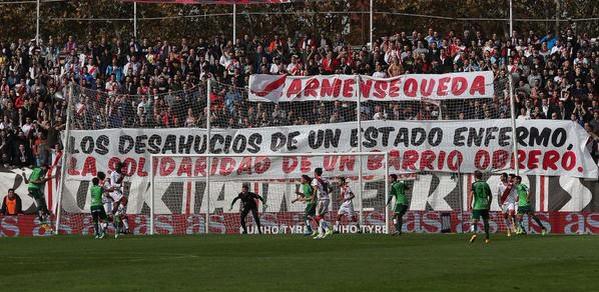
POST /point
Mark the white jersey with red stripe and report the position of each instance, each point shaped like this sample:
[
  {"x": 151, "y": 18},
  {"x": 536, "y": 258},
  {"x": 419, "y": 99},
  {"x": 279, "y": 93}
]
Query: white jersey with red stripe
[
  {"x": 106, "y": 198},
  {"x": 116, "y": 180},
  {"x": 322, "y": 185},
  {"x": 106, "y": 195},
  {"x": 512, "y": 197},
  {"x": 346, "y": 192},
  {"x": 507, "y": 202},
  {"x": 501, "y": 187},
  {"x": 347, "y": 207}
]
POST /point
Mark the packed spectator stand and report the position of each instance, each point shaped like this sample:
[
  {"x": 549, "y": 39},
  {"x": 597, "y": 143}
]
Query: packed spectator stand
[{"x": 158, "y": 83}]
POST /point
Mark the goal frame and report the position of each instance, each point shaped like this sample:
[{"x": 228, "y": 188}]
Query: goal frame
[{"x": 303, "y": 154}]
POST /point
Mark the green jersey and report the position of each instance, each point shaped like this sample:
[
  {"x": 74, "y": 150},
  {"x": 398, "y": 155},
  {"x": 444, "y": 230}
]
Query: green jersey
[
  {"x": 307, "y": 191},
  {"x": 398, "y": 190},
  {"x": 96, "y": 193},
  {"x": 36, "y": 174},
  {"x": 481, "y": 191},
  {"x": 522, "y": 191}
]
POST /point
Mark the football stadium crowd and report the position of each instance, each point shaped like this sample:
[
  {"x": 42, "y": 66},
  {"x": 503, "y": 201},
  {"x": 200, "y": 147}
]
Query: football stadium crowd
[{"x": 153, "y": 82}]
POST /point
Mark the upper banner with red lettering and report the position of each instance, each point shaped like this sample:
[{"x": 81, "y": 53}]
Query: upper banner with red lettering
[
  {"x": 281, "y": 88},
  {"x": 242, "y": 2}
]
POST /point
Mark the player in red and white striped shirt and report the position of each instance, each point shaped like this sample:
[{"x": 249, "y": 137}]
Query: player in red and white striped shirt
[
  {"x": 347, "y": 206},
  {"x": 507, "y": 196}
]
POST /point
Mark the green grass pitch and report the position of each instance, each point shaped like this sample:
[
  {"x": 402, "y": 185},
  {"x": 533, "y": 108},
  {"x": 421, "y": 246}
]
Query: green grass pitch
[{"x": 416, "y": 262}]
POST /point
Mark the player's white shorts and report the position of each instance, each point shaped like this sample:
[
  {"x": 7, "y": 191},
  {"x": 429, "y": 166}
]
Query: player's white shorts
[
  {"x": 508, "y": 207},
  {"x": 346, "y": 208},
  {"x": 107, "y": 202},
  {"x": 108, "y": 208},
  {"x": 323, "y": 207},
  {"x": 121, "y": 210},
  {"x": 116, "y": 196}
]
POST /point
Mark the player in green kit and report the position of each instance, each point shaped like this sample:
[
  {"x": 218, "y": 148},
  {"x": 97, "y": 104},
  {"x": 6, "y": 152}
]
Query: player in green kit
[
  {"x": 306, "y": 195},
  {"x": 97, "y": 206},
  {"x": 524, "y": 207},
  {"x": 398, "y": 191},
  {"x": 481, "y": 202},
  {"x": 35, "y": 186}
]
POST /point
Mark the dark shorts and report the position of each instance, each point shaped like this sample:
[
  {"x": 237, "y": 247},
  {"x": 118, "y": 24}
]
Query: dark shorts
[
  {"x": 40, "y": 201},
  {"x": 36, "y": 194},
  {"x": 246, "y": 210},
  {"x": 98, "y": 212},
  {"x": 310, "y": 210},
  {"x": 525, "y": 209},
  {"x": 400, "y": 209},
  {"x": 477, "y": 214}
]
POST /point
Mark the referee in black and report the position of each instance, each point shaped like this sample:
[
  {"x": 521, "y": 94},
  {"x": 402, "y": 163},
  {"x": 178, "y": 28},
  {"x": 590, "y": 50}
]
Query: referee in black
[{"x": 248, "y": 203}]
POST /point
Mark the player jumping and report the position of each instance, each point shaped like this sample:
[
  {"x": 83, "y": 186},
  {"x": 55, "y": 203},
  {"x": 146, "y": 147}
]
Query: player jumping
[
  {"x": 306, "y": 195},
  {"x": 36, "y": 183},
  {"x": 119, "y": 209},
  {"x": 524, "y": 207},
  {"x": 398, "y": 191},
  {"x": 506, "y": 192},
  {"x": 248, "y": 204},
  {"x": 106, "y": 198},
  {"x": 97, "y": 208},
  {"x": 321, "y": 189},
  {"x": 347, "y": 204},
  {"x": 481, "y": 202}
]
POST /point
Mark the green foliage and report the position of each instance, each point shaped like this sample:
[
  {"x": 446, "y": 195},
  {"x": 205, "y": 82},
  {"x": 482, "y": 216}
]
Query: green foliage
[{"x": 18, "y": 20}]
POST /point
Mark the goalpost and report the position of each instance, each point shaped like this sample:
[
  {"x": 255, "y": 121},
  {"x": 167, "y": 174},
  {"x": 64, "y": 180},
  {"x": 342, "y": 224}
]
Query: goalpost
[
  {"x": 199, "y": 203},
  {"x": 107, "y": 127}
]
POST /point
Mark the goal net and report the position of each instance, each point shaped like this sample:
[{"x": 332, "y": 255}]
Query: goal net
[
  {"x": 181, "y": 202},
  {"x": 218, "y": 118},
  {"x": 439, "y": 198},
  {"x": 105, "y": 127}
]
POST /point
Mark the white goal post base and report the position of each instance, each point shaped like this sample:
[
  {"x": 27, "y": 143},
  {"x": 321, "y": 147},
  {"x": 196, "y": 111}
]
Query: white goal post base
[{"x": 183, "y": 196}]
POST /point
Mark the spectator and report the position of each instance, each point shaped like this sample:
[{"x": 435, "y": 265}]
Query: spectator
[
  {"x": 23, "y": 157},
  {"x": 27, "y": 126},
  {"x": 115, "y": 70},
  {"x": 160, "y": 84},
  {"x": 379, "y": 73},
  {"x": 594, "y": 123},
  {"x": 11, "y": 204},
  {"x": 395, "y": 68},
  {"x": 378, "y": 113}
]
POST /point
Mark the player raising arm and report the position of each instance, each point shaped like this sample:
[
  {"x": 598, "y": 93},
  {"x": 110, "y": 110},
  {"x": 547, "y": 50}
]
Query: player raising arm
[
  {"x": 524, "y": 207},
  {"x": 36, "y": 183},
  {"x": 481, "y": 202},
  {"x": 306, "y": 195},
  {"x": 106, "y": 198},
  {"x": 248, "y": 204},
  {"x": 97, "y": 208},
  {"x": 506, "y": 194},
  {"x": 320, "y": 186},
  {"x": 398, "y": 191},
  {"x": 119, "y": 209},
  {"x": 347, "y": 205}
]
